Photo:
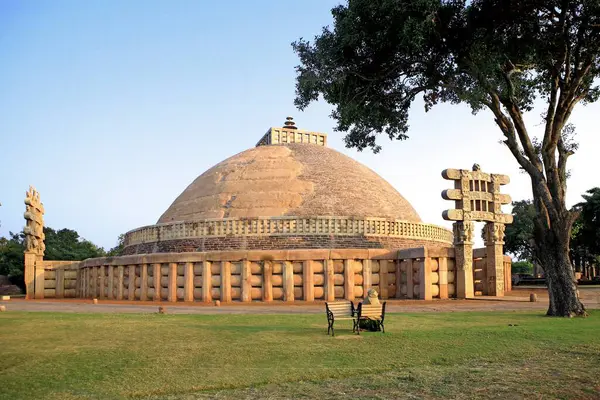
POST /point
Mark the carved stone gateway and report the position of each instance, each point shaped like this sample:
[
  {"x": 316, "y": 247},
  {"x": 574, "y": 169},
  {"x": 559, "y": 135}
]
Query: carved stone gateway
[
  {"x": 477, "y": 198},
  {"x": 34, "y": 244}
]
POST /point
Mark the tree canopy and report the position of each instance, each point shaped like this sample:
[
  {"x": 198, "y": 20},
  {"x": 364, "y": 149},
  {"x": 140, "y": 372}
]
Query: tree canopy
[
  {"x": 494, "y": 55},
  {"x": 62, "y": 244}
]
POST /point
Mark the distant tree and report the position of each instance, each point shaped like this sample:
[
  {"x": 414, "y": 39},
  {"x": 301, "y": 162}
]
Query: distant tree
[
  {"x": 586, "y": 230},
  {"x": 519, "y": 235},
  {"x": 489, "y": 54},
  {"x": 66, "y": 244},
  {"x": 118, "y": 249},
  {"x": 522, "y": 267},
  {"x": 61, "y": 245},
  {"x": 12, "y": 260}
]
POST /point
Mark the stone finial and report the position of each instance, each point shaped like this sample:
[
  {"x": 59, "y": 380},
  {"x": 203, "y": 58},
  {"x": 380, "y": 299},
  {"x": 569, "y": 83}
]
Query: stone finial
[
  {"x": 34, "y": 228},
  {"x": 476, "y": 167},
  {"x": 289, "y": 123}
]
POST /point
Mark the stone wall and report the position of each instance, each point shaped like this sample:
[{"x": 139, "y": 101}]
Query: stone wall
[
  {"x": 275, "y": 243},
  {"x": 284, "y": 233},
  {"x": 279, "y": 275}
]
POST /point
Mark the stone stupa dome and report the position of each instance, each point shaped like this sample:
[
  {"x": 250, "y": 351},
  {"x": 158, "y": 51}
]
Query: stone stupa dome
[
  {"x": 293, "y": 180},
  {"x": 290, "y": 191}
]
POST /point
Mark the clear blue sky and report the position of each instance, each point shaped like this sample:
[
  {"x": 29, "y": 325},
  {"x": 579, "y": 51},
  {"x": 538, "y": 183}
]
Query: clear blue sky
[{"x": 111, "y": 108}]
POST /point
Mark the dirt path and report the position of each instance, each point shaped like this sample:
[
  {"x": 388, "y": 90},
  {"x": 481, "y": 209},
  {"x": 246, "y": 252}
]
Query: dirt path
[{"x": 517, "y": 300}]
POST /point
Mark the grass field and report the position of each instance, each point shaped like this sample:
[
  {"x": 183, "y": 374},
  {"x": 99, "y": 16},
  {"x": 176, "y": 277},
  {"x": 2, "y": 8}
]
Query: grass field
[{"x": 425, "y": 355}]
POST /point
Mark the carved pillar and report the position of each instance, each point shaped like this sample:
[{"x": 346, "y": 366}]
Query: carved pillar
[
  {"x": 29, "y": 273},
  {"x": 246, "y": 285},
  {"x": 206, "y": 282},
  {"x": 308, "y": 281},
  {"x": 463, "y": 250},
  {"x": 367, "y": 276},
  {"x": 288, "y": 281},
  {"x": 267, "y": 294},
  {"x": 188, "y": 285},
  {"x": 494, "y": 241},
  {"x": 225, "y": 282},
  {"x": 349, "y": 279},
  {"x": 329, "y": 281},
  {"x": 39, "y": 277}
]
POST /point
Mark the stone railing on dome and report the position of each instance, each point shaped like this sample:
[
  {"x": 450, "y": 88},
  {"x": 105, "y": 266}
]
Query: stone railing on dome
[{"x": 281, "y": 226}]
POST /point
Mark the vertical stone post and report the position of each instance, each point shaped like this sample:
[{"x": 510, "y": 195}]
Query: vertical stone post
[
  {"x": 288, "y": 281},
  {"x": 131, "y": 286},
  {"x": 329, "y": 281},
  {"x": 463, "y": 250},
  {"x": 206, "y": 282},
  {"x": 383, "y": 279},
  {"x": 102, "y": 281},
  {"x": 111, "y": 282},
  {"x": 156, "y": 275},
  {"x": 443, "y": 280},
  {"x": 144, "y": 285},
  {"x": 29, "y": 275},
  {"x": 94, "y": 282},
  {"x": 120, "y": 284},
  {"x": 367, "y": 276},
  {"x": 349, "y": 279},
  {"x": 308, "y": 281},
  {"x": 245, "y": 281},
  {"x": 425, "y": 280},
  {"x": 85, "y": 284},
  {"x": 60, "y": 283},
  {"x": 410, "y": 282},
  {"x": 398, "y": 279},
  {"x": 172, "y": 286},
  {"x": 188, "y": 285},
  {"x": 267, "y": 294},
  {"x": 225, "y": 282},
  {"x": 39, "y": 278},
  {"x": 494, "y": 241}
]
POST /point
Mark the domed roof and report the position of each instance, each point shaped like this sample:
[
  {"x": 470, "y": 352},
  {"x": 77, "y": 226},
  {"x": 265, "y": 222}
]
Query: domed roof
[{"x": 289, "y": 180}]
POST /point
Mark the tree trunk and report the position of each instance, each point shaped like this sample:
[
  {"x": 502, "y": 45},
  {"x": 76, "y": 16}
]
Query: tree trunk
[{"x": 552, "y": 248}]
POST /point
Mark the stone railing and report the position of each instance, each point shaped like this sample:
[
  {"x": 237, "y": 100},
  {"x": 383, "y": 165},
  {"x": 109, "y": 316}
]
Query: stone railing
[
  {"x": 55, "y": 279},
  {"x": 289, "y": 226},
  {"x": 480, "y": 272},
  {"x": 290, "y": 275}
]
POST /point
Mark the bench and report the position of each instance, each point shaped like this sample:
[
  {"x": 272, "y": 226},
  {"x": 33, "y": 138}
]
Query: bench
[
  {"x": 340, "y": 310},
  {"x": 371, "y": 312}
]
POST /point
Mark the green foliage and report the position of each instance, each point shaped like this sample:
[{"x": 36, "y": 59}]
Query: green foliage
[
  {"x": 381, "y": 54},
  {"x": 12, "y": 259},
  {"x": 64, "y": 244},
  {"x": 522, "y": 267},
  {"x": 118, "y": 249},
  {"x": 519, "y": 235},
  {"x": 586, "y": 230}
]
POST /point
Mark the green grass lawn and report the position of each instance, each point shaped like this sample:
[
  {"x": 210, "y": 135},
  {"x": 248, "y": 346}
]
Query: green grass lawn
[{"x": 425, "y": 355}]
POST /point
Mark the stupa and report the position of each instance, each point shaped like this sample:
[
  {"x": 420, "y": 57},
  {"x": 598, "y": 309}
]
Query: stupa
[
  {"x": 291, "y": 191},
  {"x": 292, "y": 219}
]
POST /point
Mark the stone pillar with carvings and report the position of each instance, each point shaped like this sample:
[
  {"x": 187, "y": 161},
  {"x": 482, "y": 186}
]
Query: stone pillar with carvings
[
  {"x": 34, "y": 245},
  {"x": 494, "y": 241},
  {"x": 463, "y": 252}
]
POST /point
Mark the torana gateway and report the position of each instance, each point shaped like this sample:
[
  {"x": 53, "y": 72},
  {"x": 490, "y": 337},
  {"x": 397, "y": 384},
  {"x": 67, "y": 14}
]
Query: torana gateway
[{"x": 289, "y": 220}]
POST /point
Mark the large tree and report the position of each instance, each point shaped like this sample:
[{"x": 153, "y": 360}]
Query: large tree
[{"x": 497, "y": 55}]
